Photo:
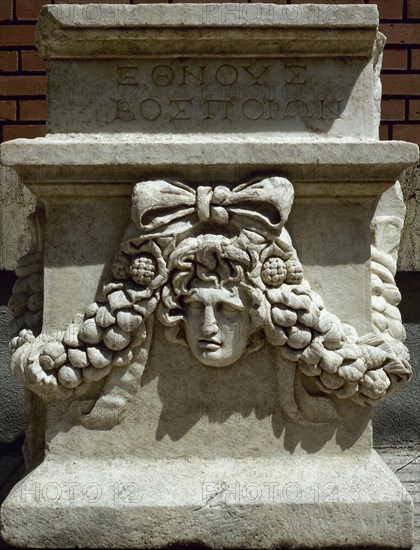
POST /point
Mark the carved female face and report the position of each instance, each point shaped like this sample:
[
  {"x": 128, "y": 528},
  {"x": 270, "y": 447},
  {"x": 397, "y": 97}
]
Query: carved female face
[{"x": 217, "y": 325}]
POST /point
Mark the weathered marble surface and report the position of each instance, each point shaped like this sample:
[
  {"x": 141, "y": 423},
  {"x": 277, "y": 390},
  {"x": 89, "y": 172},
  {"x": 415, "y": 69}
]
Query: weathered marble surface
[
  {"x": 222, "y": 502},
  {"x": 218, "y": 304},
  {"x": 409, "y": 256},
  {"x": 17, "y": 202}
]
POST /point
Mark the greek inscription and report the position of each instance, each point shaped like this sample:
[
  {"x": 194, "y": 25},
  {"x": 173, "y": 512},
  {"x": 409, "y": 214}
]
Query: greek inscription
[
  {"x": 221, "y": 106},
  {"x": 219, "y": 91},
  {"x": 226, "y": 75},
  {"x": 253, "y": 109},
  {"x": 150, "y": 109},
  {"x": 199, "y": 76},
  {"x": 182, "y": 105},
  {"x": 298, "y": 107},
  {"x": 273, "y": 107},
  {"x": 295, "y": 74},
  {"x": 123, "y": 111},
  {"x": 256, "y": 77},
  {"x": 127, "y": 75},
  {"x": 162, "y": 75},
  {"x": 330, "y": 109}
]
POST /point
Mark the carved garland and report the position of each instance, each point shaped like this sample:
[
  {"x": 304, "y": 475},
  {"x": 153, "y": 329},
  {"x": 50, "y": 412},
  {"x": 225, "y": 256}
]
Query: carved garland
[{"x": 178, "y": 233}]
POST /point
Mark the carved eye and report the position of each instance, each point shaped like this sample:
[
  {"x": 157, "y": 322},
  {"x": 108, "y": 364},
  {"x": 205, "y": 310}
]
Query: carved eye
[{"x": 227, "y": 308}]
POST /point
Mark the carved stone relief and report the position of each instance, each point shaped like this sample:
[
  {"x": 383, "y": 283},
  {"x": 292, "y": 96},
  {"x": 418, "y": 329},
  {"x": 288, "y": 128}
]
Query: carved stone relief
[
  {"x": 216, "y": 340},
  {"x": 217, "y": 268},
  {"x": 26, "y": 302}
]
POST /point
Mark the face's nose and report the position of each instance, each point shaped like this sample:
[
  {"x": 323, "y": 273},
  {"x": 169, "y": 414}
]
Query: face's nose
[{"x": 209, "y": 326}]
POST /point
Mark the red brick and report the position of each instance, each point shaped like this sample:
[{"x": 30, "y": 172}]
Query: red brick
[
  {"x": 31, "y": 61},
  {"x": 406, "y": 132},
  {"x": 35, "y": 109},
  {"x": 22, "y": 85},
  {"x": 17, "y": 35},
  {"x": 150, "y": 2},
  {"x": 28, "y": 10},
  {"x": 395, "y": 59},
  {"x": 415, "y": 59},
  {"x": 414, "y": 109},
  {"x": 400, "y": 84},
  {"x": 393, "y": 109},
  {"x": 401, "y": 33},
  {"x": 29, "y": 131},
  {"x": 8, "y": 61},
  {"x": 8, "y": 110},
  {"x": 413, "y": 9},
  {"x": 6, "y": 10},
  {"x": 389, "y": 9},
  {"x": 383, "y": 132}
]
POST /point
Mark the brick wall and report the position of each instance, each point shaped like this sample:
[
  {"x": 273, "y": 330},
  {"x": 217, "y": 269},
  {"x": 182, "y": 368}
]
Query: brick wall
[{"x": 23, "y": 81}]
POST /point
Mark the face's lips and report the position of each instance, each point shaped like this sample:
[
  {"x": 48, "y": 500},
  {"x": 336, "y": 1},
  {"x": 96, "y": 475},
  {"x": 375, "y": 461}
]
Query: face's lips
[{"x": 209, "y": 344}]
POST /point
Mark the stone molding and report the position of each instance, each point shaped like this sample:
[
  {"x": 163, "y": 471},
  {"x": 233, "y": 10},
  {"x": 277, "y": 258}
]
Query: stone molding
[
  {"x": 59, "y": 160},
  {"x": 174, "y": 31}
]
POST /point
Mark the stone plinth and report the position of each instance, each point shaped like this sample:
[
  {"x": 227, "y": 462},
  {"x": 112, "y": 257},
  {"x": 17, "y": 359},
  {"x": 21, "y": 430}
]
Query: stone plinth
[{"x": 208, "y": 311}]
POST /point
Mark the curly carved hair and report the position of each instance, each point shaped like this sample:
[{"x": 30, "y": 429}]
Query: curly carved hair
[{"x": 211, "y": 260}]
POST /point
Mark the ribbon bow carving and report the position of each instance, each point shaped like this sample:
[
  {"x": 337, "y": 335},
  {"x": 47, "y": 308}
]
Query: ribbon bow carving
[{"x": 170, "y": 207}]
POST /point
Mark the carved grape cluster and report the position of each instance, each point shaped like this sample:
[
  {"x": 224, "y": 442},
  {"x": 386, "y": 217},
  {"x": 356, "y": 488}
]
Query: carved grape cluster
[
  {"x": 143, "y": 269},
  {"x": 273, "y": 271},
  {"x": 280, "y": 265}
]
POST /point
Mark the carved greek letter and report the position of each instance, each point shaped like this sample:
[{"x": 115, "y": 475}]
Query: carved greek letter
[
  {"x": 330, "y": 108},
  {"x": 181, "y": 105},
  {"x": 150, "y": 109},
  {"x": 296, "y": 73},
  {"x": 226, "y": 75},
  {"x": 253, "y": 109},
  {"x": 273, "y": 106},
  {"x": 127, "y": 75},
  {"x": 256, "y": 77},
  {"x": 225, "y": 102},
  {"x": 123, "y": 111},
  {"x": 298, "y": 107},
  {"x": 199, "y": 77},
  {"x": 162, "y": 75}
]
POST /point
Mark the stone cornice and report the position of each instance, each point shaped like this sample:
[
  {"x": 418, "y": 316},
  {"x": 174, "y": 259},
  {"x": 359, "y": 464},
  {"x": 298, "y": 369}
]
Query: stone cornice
[
  {"x": 201, "y": 30},
  {"x": 121, "y": 160}
]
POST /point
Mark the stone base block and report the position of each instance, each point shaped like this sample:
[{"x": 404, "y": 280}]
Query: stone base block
[{"x": 292, "y": 502}]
